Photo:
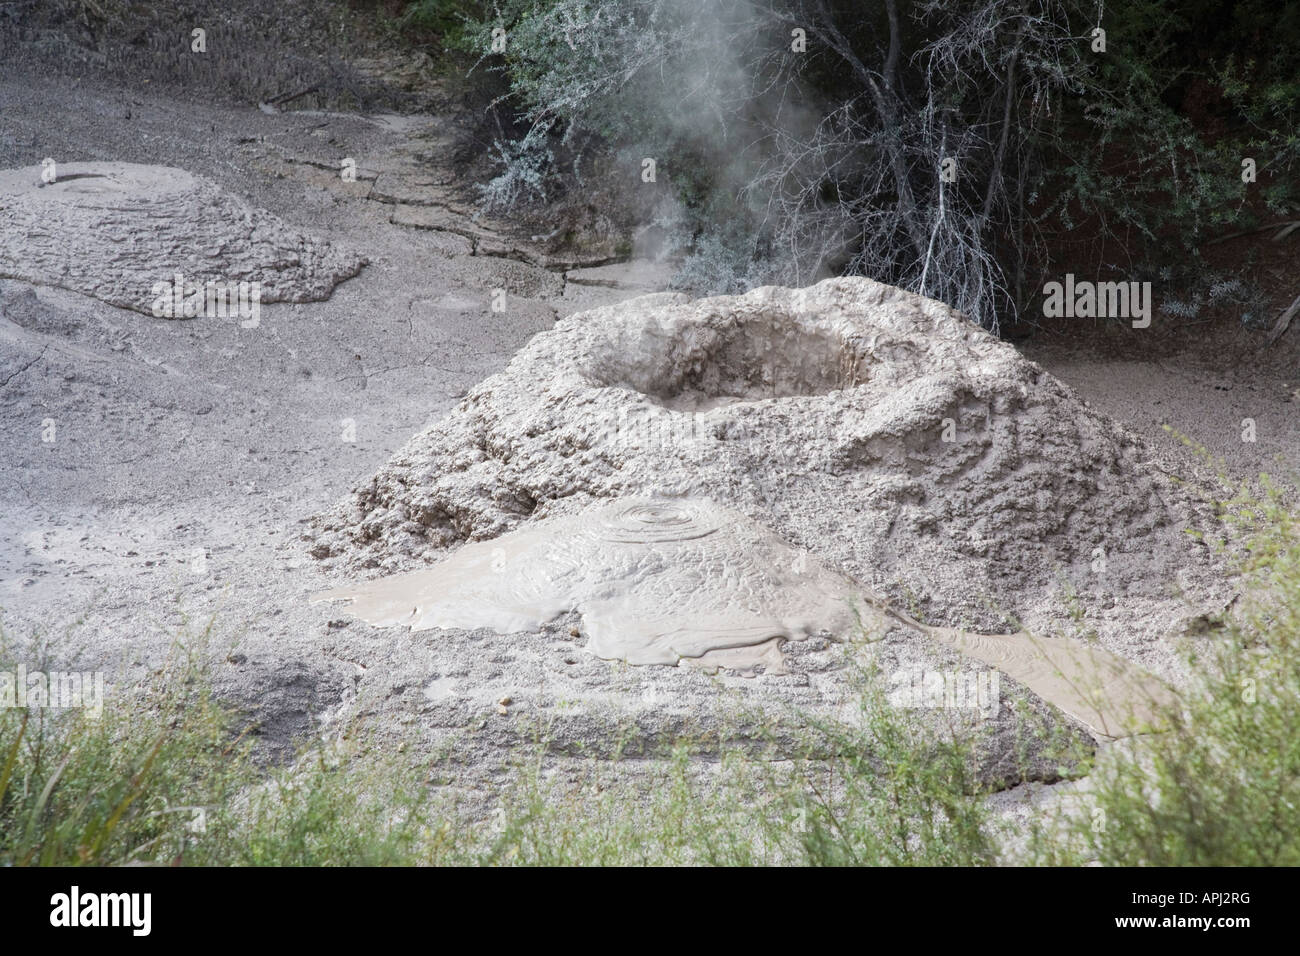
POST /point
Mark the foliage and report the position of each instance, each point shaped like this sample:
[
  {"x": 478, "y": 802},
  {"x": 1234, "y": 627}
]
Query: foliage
[{"x": 788, "y": 165}]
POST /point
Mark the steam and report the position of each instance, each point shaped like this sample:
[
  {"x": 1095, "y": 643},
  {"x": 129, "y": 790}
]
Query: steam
[{"x": 791, "y": 139}]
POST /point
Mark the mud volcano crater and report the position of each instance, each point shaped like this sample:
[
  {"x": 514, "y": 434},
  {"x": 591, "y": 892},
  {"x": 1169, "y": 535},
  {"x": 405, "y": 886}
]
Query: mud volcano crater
[
  {"x": 114, "y": 231},
  {"x": 879, "y": 430},
  {"x": 721, "y": 360}
]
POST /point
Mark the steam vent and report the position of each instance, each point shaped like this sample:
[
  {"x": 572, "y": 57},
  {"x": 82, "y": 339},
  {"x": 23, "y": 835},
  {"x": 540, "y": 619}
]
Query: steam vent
[
  {"x": 878, "y": 429},
  {"x": 113, "y": 231}
]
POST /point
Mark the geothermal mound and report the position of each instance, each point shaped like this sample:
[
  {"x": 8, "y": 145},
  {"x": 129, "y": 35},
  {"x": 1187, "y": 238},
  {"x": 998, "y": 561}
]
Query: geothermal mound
[
  {"x": 115, "y": 230},
  {"x": 878, "y": 429}
]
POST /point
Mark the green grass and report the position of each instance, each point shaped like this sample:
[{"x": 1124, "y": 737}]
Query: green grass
[
  {"x": 123, "y": 787},
  {"x": 128, "y": 787}
]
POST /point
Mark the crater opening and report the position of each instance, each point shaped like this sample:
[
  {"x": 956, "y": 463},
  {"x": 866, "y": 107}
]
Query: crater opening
[{"x": 706, "y": 364}]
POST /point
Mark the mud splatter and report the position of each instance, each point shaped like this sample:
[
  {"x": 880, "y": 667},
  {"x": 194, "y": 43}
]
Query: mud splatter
[{"x": 655, "y": 581}]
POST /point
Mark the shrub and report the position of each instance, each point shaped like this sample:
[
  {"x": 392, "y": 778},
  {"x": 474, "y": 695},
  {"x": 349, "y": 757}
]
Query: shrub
[{"x": 791, "y": 164}]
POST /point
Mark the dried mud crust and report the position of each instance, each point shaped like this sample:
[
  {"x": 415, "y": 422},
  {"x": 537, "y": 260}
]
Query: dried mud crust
[
  {"x": 878, "y": 429},
  {"x": 114, "y": 230}
]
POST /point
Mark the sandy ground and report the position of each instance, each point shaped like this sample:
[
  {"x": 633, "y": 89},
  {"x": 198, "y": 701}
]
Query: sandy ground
[
  {"x": 187, "y": 455},
  {"x": 1198, "y": 393}
]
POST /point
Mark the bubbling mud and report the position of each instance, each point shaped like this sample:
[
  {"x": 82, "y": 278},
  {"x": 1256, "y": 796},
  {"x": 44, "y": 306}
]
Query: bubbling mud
[
  {"x": 655, "y": 580},
  {"x": 878, "y": 429},
  {"x": 686, "y": 581}
]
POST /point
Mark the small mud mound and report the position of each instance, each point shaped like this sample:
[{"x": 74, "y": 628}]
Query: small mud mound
[
  {"x": 878, "y": 429},
  {"x": 122, "y": 232}
]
